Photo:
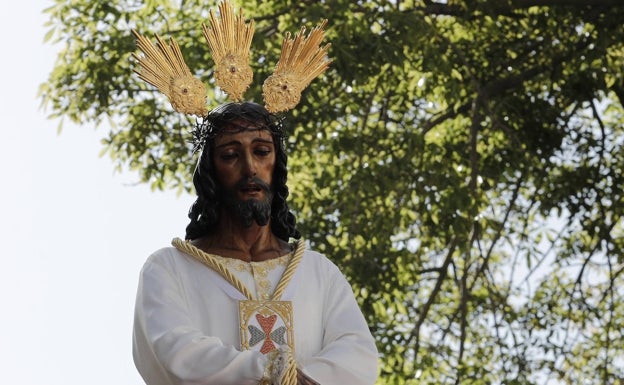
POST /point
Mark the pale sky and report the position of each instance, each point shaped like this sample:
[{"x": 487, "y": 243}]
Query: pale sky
[{"x": 74, "y": 233}]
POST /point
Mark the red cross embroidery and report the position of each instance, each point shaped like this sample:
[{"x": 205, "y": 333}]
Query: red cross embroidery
[{"x": 267, "y": 323}]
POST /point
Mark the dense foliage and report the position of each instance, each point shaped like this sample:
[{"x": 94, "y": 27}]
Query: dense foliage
[{"x": 461, "y": 161}]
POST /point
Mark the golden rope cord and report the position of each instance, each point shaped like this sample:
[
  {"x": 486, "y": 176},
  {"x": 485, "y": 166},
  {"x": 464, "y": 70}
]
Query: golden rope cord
[
  {"x": 290, "y": 270},
  {"x": 290, "y": 376},
  {"x": 212, "y": 262}
]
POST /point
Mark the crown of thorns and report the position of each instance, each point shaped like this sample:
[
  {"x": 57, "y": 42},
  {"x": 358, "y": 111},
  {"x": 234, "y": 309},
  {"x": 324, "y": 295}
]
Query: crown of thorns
[
  {"x": 229, "y": 38},
  {"x": 219, "y": 118}
]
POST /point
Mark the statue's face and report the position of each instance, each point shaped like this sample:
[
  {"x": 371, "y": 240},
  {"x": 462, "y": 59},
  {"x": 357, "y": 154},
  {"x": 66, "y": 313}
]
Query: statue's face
[{"x": 244, "y": 161}]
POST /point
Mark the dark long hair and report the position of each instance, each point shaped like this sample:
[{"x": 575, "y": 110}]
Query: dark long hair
[{"x": 205, "y": 211}]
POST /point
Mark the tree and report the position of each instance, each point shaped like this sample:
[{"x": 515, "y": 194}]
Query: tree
[{"x": 462, "y": 161}]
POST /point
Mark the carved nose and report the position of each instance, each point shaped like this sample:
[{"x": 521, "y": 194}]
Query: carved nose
[{"x": 250, "y": 167}]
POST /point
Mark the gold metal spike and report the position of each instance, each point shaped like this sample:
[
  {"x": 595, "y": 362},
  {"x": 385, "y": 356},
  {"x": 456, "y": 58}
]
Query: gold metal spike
[
  {"x": 229, "y": 39},
  {"x": 163, "y": 67},
  {"x": 302, "y": 59}
]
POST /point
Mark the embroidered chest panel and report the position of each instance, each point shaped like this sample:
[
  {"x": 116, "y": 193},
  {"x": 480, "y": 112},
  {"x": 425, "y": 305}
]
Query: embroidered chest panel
[{"x": 266, "y": 325}]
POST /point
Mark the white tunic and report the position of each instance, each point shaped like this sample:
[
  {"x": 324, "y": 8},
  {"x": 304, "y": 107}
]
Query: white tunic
[{"x": 186, "y": 328}]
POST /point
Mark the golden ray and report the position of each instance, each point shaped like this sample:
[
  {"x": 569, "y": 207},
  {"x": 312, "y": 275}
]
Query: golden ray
[
  {"x": 302, "y": 59},
  {"x": 229, "y": 39},
  {"x": 163, "y": 66}
]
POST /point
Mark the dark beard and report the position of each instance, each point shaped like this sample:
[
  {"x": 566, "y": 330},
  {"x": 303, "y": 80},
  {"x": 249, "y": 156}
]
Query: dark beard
[{"x": 250, "y": 210}]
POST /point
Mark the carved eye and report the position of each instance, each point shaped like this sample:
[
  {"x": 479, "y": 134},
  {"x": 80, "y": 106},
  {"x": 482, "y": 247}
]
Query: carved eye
[
  {"x": 232, "y": 69},
  {"x": 284, "y": 87},
  {"x": 185, "y": 91}
]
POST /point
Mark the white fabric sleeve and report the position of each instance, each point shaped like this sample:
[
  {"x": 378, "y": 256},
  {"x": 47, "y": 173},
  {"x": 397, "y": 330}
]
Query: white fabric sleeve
[
  {"x": 349, "y": 355},
  {"x": 169, "y": 350}
]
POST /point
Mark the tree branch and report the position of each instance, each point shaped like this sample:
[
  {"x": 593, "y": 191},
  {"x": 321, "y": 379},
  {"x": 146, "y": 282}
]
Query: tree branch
[{"x": 422, "y": 316}]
